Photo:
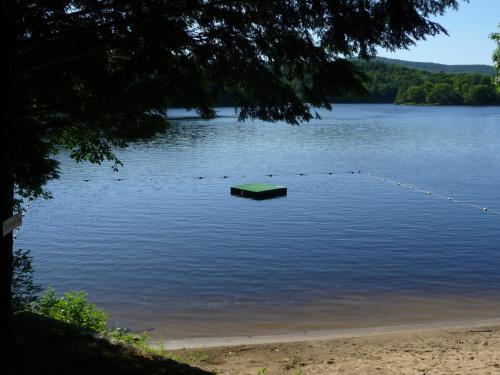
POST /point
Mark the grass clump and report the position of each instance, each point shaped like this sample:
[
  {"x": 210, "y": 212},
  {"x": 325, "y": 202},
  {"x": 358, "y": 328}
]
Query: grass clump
[
  {"x": 122, "y": 335},
  {"x": 194, "y": 357}
]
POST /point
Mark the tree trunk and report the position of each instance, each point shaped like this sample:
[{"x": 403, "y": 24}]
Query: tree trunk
[
  {"x": 7, "y": 166},
  {"x": 6, "y": 247}
]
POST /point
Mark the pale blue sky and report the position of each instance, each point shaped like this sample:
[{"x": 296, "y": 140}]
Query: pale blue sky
[{"x": 468, "y": 42}]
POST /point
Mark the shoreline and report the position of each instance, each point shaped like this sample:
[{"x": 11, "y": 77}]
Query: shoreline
[
  {"x": 350, "y": 314},
  {"x": 318, "y": 335},
  {"x": 460, "y": 347}
]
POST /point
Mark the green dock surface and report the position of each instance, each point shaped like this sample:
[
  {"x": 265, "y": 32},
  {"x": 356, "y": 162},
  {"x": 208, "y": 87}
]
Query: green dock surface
[{"x": 259, "y": 191}]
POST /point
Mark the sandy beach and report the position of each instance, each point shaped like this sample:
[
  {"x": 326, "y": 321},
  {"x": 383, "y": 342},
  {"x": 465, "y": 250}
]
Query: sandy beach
[{"x": 445, "y": 348}]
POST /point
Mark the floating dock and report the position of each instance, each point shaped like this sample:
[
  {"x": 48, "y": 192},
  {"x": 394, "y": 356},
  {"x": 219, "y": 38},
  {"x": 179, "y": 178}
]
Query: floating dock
[{"x": 259, "y": 191}]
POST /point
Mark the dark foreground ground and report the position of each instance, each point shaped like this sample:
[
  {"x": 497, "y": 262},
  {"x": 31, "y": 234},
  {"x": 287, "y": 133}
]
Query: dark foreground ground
[
  {"x": 45, "y": 346},
  {"x": 50, "y": 347}
]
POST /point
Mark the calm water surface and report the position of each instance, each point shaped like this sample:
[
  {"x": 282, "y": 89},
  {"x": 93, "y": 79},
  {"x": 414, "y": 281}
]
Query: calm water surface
[{"x": 161, "y": 249}]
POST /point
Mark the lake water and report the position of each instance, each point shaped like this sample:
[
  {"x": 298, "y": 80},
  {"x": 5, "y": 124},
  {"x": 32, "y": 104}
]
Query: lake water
[{"x": 164, "y": 251}]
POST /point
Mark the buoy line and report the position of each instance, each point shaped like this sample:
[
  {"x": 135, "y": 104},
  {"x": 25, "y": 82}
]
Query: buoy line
[
  {"x": 277, "y": 175},
  {"x": 248, "y": 176},
  {"x": 351, "y": 172},
  {"x": 433, "y": 194},
  {"x": 450, "y": 199}
]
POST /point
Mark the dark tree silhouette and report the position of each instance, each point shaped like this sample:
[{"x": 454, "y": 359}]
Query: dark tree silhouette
[{"x": 89, "y": 75}]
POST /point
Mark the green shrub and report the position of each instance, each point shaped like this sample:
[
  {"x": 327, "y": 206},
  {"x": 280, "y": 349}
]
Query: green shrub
[{"x": 74, "y": 308}]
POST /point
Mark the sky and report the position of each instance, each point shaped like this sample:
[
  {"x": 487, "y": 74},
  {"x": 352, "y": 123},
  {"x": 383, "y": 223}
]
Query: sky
[{"x": 468, "y": 41}]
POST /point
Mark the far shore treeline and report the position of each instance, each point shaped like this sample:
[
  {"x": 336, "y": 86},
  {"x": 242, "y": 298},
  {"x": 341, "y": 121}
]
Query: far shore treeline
[
  {"x": 391, "y": 83},
  {"x": 387, "y": 82}
]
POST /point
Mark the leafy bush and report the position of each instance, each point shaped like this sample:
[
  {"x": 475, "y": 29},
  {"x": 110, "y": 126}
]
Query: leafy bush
[
  {"x": 24, "y": 291},
  {"x": 74, "y": 308}
]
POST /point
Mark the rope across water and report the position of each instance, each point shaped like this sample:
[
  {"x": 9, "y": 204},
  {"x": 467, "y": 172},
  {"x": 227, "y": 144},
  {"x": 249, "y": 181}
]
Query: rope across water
[
  {"x": 412, "y": 187},
  {"x": 396, "y": 183},
  {"x": 450, "y": 199}
]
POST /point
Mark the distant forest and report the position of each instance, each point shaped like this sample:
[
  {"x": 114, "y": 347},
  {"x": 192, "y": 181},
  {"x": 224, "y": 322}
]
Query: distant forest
[
  {"x": 440, "y": 68},
  {"x": 393, "y": 83}
]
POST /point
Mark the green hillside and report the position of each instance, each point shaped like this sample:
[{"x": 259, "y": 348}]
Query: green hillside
[
  {"x": 438, "y": 68},
  {"x": 390, "y": 83}
]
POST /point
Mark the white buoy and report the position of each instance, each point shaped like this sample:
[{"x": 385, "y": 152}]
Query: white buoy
[
  {"x": 485, "y": 208},
  {"x": 429, "y": 193},
  {"x": 449, "y": 198},
  {"x": 399, "y": 183},
  {"x": 411, "y": 187}
]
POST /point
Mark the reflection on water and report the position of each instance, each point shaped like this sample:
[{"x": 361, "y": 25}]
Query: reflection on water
[{"x": 156, "y": 246}]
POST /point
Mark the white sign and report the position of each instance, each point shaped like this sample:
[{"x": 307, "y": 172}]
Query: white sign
[{"x": 12, "y": 223}]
